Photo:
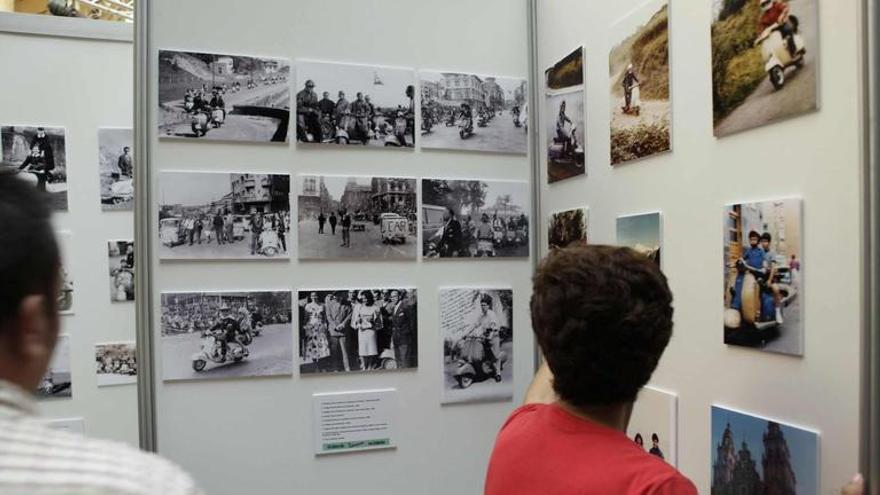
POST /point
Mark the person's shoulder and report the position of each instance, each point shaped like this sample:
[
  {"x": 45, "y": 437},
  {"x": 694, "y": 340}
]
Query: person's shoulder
[
  {"x": 658, "y": 477},
  {"x": 523, "y": 414}
]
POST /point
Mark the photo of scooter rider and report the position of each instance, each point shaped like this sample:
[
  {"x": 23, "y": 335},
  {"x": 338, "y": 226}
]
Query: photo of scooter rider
[
  {"x": 477, "y": 332},
  {"x": 762, "y": 308}
]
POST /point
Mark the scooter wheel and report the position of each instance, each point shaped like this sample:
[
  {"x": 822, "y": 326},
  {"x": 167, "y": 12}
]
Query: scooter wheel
[
  {"x": 465, "y": 381},
  {"x": 498, "y": 378},
  {"x": 199, "y": 364}
]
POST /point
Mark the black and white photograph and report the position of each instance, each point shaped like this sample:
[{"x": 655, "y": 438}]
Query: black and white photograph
[
  {"x": 564, "y": 118},
  {"x": 115, "y": 363},
  {"x": 351, "y": 104},
  {"x": 207, "y": 335},
  {"x": 471, "y": 112},
  {"x": 357, "y": 217},
  {"x": 39, "y": 156},
  {"x": 358, "y": 330},
  {"x": 475, "y": 219},
  {"x": 222, "y": 97},
  {"x": 57, "y": 382},
  {"x": 116, "y": 168},
  {"x": 65, "y": 288},
  {"x": 206, "y": 215},
  {"x": 120, "y": 256},
  {"x": 477, "y": 330}
]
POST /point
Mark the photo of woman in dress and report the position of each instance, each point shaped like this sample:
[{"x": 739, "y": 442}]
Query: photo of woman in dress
[
  {"x": 317, "y": 345},
  {"x": 366, "y": 319}
]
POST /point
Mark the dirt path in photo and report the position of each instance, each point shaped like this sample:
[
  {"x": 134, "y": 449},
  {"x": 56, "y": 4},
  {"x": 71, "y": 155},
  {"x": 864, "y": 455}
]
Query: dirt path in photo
[{"x": 652, "y": 112}]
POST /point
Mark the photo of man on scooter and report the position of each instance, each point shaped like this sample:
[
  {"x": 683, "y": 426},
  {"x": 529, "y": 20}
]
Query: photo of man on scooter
[{"x": 762, "y": 309}]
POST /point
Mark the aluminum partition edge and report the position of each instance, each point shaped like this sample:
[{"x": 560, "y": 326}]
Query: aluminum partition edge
[
  {"x": 534, "y": 119},
  {"x": 142, "y": 239}
]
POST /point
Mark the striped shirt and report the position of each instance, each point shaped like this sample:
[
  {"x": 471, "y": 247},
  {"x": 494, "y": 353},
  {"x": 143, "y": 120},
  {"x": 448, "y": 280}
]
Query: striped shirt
[{"x": 37, "y": 460}]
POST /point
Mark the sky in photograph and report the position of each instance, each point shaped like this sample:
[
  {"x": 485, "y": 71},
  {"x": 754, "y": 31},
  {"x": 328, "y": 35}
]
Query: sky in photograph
[
  {"x": 802, "y": 444},
  {"x": 519, "y": 193},
  {"x": 192, "y": 188},
  {"x": 508, "y": 84},
  {"x": 352, "y": 78},
  {"x": 639, "y": 229},
  {"x": 336, "y": 184},
  {"x": 631, "y": 22}
]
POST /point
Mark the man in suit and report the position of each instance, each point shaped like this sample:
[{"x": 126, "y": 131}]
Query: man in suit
[
  {"x": 338, "y": 318},
  {"x": 402, "y": 331},
  {"x": 450, "y": 243}
]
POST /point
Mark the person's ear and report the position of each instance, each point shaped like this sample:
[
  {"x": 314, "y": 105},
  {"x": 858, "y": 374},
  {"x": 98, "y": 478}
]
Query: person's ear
[{"x": 36, "y": 332}]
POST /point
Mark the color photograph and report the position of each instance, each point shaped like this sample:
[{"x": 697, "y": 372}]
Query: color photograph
[
  {"x": 57, "y": 382},
  {"x": 756, "y": 456},
  {"x": 221, "y": 97},
  {"x": 471, "y": 112},
  {"x": 477, "y": 330},
  {"x": 765, "y": 62},
  {"x": 475, "y": 219},
  {"x": 350, "y": 104},
  {"x": 206, "y": 215},
  {"x": 568, "y": 228},
  {"x": 654, "y": 423},
  {"x": 567, "y": 73},
  {"x": 120, "y": 257},
  {"x": 39, "y": 156},
  {"x": 116, "y": 168},
  {"x": 116, "y": 364},
  {"x": 641, "y": 110},
  {"x": 763, "y": 266},
  {"x": 369, "y": 218},
  {"x": 358, "y": 330},
  {"x": 564, "y": 118},
  {"x": 210, "y": 335},
  {"x": 642, "y": 233},
  {"x": 65, "y": 289}
]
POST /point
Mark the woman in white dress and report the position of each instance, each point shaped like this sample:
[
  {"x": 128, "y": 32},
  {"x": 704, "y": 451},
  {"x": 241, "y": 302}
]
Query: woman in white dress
[{"x": 366, "y": 319}]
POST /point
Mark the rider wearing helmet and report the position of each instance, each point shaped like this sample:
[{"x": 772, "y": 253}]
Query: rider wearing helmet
[
  {"x": 630, "y": 80},
  {"x": 226, "y": 328},
  {"x": 778, "y": 13}
]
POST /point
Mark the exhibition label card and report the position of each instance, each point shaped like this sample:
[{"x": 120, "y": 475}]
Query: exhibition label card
[
  {"x": 69, "y": 425},
  {"x": 354, "y": 421}
]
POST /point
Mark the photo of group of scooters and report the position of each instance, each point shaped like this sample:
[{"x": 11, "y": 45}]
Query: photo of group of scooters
[
  {"x": 564, "y": 112},
  {"x": 358, "y": 104},
  {"x": 209, "y": 335},
  {"x": 116, "y": 364},
  {"x": 39, "y": 156},
  {"x": 477, "y": 330},
  {"x": 474, "y": 219},
  {"x": 461, "y": 111},
  {"x": 120, "y": 255},
  {"x": 222, "y": 97},
  {"x": 762, "y": 260}
]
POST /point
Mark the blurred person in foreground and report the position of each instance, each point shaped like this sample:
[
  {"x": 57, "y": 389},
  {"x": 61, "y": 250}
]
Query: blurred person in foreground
[
  {"x": 602, "y": 316},
  {"x": 35, "y": 459}
]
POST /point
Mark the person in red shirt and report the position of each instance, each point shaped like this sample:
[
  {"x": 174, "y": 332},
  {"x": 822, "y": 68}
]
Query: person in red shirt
[{"x": 777, "y": 12}]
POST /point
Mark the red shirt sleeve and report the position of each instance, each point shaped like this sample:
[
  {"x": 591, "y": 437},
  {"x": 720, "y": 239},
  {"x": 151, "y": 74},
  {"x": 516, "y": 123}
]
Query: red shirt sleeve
[
  {"x": 678, "y": 485},
  {"x": 520, "y": 412}
]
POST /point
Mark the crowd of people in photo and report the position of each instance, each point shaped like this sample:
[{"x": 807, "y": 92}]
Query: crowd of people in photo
[
  {"x": 117, "y": 363},
  {"x": 434, "y": 113},
  {"x": 202, "y": 98},
  {"x": 326, "y": 120},
  {"x": 266, "y": 230},
  {"x": 462, "y": 236},
  {"x": 358, "y": 330},
  {"x": 202, "y": 315}
]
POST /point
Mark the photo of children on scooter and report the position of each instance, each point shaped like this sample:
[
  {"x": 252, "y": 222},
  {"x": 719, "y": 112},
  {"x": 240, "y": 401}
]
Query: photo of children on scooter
[
  {"x": 477, "y": 330},
  {"x": 39, "y": 156},
  {"x": 762, "y": 260},
  {"x": 639, "y": 84},
  {"x": 764, "y": 62},
  {"x": 355, "y": 104}
]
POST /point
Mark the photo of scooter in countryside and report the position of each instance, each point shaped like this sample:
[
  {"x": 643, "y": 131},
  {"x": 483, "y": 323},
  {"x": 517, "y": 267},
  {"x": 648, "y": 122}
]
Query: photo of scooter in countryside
[
  {"x": 765, "y": 55},
  {"x": 762, "y": 260},
  {"x": 477, "y": 330}
]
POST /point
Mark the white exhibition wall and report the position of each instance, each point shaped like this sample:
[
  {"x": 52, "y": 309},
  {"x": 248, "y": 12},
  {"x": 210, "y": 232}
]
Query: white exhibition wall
[
  {"x": 81, "y": 85},
  {"x": 247, "y": 435},
  {"x": 817, "y": 157}
]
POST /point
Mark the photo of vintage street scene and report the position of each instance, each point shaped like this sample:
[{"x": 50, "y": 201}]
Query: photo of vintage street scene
[
  {"x": 209, "y": 335},
  {"x": 356, "y": 217},
  {"x": 116, "y": 364},
  {"x": 477, "y": 330},
  {"x": 57, "y": 383},
  {"x": 120, "y": 256},
  {"x": 567, "y": 228},
  {"x": 39, "y": 156},
  {"x": 564, "y": 117},
  {"x": 355, "y": 104},
  {"x": 641, "y": 110},
  {"x": 358, "y": 330},
  {"x": 567, "y": 73},
  {"x": 65, "y": 287},
  {"x": 641, "y": 233},
  {"x": 206, "y": 215},
  {"x": 763, "y": 266},
  {"x": 653, "y": 424},
  {"x": 474, "y": 218},
  {"x": 765, "y": 59},
  {"x": 756, "y": 456},
  {"x": 217, "y": 97},
  {"x": 116, "y": 168},
  {"x": 473, "y": 112}
]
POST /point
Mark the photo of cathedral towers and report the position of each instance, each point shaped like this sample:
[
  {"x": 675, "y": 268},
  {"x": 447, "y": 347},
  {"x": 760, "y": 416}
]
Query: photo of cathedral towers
[{"x": 756, "y": 456}]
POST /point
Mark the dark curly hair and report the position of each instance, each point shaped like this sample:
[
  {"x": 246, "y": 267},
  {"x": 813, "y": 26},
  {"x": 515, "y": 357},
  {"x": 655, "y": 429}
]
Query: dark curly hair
[{"x": 602, "y": 316}]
